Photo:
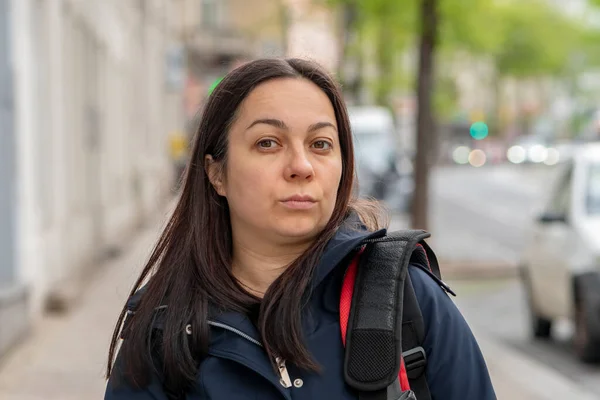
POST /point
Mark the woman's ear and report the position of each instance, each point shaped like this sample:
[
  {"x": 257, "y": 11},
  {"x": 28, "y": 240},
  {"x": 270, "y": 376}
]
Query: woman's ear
[{"x": 214, "y": 171}]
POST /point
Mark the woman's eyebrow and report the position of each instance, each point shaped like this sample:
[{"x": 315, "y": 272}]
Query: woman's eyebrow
[
  {"x": 321, "y": 125},
  {"x": 277, "y": 123}
]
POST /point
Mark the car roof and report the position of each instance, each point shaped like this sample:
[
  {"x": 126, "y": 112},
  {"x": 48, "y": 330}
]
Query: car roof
[
  {"x": 368, "y": 110},
  {"x": 589, "y": 152},
  {"x": 370, "y": 118}
]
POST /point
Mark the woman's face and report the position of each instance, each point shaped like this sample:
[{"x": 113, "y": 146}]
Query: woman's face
[{"x": 284, "y": 163}]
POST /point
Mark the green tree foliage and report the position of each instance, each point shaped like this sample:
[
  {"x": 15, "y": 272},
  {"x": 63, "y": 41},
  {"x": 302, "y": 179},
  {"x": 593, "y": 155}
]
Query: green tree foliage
[
  {"x": 520, "y": 39},
  {"x": 537, "y": 40}
]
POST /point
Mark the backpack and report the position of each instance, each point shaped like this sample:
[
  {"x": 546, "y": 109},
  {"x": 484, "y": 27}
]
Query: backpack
[{"x": 381, "y": 322}]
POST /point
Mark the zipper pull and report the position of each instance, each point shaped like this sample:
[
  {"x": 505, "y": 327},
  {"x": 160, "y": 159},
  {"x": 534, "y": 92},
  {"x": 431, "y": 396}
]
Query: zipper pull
[{"x": 284, "y": 376}]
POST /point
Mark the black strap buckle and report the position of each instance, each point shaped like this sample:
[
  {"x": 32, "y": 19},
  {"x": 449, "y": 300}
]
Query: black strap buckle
[
  {"x": 415, "y": 361},
  {"x": 408, "y": 395}
]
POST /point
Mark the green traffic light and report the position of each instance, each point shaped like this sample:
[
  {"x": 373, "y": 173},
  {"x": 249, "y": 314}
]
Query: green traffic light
[{"x": 479, "y": 130}]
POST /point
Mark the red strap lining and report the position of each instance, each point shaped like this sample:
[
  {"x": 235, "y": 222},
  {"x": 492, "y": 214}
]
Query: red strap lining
[
  {"x": 420, "y": 246},
  {"x": 346, "y": 303}
]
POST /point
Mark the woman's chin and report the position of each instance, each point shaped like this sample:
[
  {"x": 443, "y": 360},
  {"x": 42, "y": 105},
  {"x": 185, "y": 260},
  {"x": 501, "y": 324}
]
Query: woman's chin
[{"x": 299, "y": 227}]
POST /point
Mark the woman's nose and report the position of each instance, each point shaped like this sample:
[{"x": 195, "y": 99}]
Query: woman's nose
[{"x": 299, "y": 165}]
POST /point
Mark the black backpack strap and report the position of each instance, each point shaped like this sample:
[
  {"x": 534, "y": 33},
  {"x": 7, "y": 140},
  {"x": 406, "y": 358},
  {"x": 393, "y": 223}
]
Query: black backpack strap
[
  {"x": 374, "y": 339},
  {"x": 413, "y": 336},
  {"x": 424, "y": 258},
  {"x": 413, "y": 326}
]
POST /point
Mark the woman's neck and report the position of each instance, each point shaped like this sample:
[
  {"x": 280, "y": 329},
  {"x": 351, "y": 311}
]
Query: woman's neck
[{"x": 257, "y": 267}]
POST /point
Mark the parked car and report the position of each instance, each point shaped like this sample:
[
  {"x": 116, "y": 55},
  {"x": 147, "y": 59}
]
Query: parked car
[
  {"x": 384, "y": 172},
  {"x": 561, "y": 265}
]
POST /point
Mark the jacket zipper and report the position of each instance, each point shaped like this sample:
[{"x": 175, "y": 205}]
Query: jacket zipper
[
  {"x": 236, "y": 331},
  {"x": 284, "y": 376}
]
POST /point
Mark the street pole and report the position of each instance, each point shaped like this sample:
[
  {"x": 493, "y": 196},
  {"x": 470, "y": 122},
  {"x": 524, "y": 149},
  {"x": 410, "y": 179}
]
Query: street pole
[{"x": 425, "y": 117}]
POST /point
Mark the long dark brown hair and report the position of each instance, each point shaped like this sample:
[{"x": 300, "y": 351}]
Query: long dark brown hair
[{"x": 190, "y": 265}]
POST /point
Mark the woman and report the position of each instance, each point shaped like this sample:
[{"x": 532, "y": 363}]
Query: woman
[{"x": 242, "y": 293}]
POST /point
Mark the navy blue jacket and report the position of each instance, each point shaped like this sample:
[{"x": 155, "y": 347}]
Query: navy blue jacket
[{"x": 238, "y": 368}]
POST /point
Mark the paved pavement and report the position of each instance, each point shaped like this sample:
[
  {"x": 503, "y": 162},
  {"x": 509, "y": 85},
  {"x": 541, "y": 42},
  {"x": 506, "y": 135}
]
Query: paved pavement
[
  {"x": 65, "y": 357},
  {"x": 496, "y": 309},
  {"x": 517, "y": 377}
]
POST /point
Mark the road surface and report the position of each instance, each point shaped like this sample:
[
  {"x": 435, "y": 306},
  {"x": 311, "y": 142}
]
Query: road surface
[{"x": 485, "y": 215}]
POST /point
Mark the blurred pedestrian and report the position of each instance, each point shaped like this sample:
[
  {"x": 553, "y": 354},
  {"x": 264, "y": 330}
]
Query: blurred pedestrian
[{"x": 244, "y": 292}]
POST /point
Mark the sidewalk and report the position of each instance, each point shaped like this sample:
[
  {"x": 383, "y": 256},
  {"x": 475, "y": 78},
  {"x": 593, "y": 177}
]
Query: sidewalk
[
  {"x": 65, "y": 357},
  {"x": 517, "y": 377}
]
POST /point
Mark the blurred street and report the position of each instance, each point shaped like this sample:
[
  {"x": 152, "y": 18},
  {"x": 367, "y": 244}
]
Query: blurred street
[
  {"x": 100, "y": 105},
  {"x": 481, "y": 217},
  {"x": 487, "y": 209},
  {"x": 486, "y": 215}
]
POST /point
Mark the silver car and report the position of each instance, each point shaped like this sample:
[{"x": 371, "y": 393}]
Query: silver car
[{"x": 384, "y": 172}]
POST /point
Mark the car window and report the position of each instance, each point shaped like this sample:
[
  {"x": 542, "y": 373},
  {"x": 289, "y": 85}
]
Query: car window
[
  {"x": 373, "y": 149},
  {"x": 561, "y": 196},
  {"x": 592, "y": 198}
]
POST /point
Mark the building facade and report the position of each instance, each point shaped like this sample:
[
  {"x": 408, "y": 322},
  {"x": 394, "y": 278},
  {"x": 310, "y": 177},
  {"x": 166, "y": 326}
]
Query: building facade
[
  {"x": 91, "y": 92},
  {"x": 220, "y": 33},
  {"x": 87, "y": 108},
  {"x": 314, "y": 33}
]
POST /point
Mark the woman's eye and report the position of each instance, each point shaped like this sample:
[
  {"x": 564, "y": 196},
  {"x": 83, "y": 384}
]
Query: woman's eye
[
  {"x": 267, "y": 144},
  {"x": 322, "y": 145}
]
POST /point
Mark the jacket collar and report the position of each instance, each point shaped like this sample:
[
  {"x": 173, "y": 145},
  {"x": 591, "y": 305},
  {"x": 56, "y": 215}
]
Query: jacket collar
[{"x": 347, "y": 238}]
